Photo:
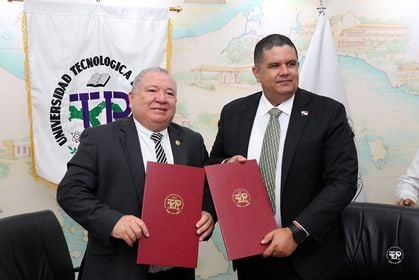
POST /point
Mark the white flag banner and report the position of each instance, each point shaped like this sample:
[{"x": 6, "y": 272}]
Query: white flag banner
[
  {"x": 81, "y": 59},
  {"x": 320, "y": 73}
]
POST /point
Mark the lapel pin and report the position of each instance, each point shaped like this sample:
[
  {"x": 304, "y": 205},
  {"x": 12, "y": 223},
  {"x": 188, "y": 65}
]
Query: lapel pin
[
  {"x": 177, "y": 142},
  {"x": 304, "y": 113}
]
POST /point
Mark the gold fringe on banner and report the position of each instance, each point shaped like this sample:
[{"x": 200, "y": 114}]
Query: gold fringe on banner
[
  {"x": 169, "y": 45},
  {"x": 29, "y": 101}
]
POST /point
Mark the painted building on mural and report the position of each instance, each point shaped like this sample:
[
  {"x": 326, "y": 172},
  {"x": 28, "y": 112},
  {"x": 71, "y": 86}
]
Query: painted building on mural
[{"x": 16, "y": 149}]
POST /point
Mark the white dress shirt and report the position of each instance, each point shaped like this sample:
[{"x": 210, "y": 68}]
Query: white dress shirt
[
  {"x": 256, "y": 138},
  {"x": 408, "y": 186},
  {"x": 147, "y": 145}
]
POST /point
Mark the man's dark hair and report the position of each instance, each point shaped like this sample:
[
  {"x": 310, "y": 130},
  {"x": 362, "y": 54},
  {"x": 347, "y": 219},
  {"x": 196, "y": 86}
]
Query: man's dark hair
[{"x": 268, "y": 42}]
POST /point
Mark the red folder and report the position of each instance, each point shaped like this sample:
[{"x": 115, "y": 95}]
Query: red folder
[
  {"x": 172, "y": 204},
  {"x": 243, "y": 208}
]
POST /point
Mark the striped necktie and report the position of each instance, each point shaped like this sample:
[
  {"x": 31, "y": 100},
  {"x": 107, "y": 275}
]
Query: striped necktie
[
  {"x": 269, "y": 154},
  {"x": 160, "y": 155}
]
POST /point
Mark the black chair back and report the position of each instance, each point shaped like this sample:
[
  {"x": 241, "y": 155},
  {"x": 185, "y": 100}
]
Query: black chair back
[
  {"x": 33, "y": 247},
  {"x": 382, "y": 242}
]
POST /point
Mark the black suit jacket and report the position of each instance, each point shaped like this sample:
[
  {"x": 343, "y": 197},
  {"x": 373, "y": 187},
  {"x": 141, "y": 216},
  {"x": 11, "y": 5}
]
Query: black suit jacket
[
  {"x": 319, "y": 173},
  {"x": 105, "y": 180}
]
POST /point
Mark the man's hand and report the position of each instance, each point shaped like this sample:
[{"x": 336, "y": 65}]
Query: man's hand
[
  {"x": 235, "y": 158},
  {"x": 282, "y": 243},
  {"x": 130, "y": 228},
  {"x": 406, "y": 202},
  {"x": 205, "y": 225}
]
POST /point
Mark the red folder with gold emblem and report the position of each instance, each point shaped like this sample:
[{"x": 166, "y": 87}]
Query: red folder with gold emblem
[
  {"x": 243, "y": 208},
  {"x": 172, "y": 204}
]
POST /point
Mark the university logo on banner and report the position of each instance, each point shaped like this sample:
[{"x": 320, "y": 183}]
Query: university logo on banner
[
  {"x": 91, "y": 102},
  {"x": 82, "y": 59}
]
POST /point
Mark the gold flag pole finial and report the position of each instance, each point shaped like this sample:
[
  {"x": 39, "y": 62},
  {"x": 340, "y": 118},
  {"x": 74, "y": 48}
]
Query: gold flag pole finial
[
  {"x": 321, "y": 8},
  {"x": 176, "y": 9}
]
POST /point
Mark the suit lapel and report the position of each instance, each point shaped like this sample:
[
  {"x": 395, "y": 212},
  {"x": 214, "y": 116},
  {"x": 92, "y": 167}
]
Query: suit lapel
[
  {"x": 177, "y": 145},
  {"x": 247, "y": 117},
  {"x": 296, "y": 127},
  {"x": 132, "y": 151}
]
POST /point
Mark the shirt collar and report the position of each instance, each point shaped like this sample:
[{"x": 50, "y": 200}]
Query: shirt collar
[
  {"x": 145, "y": 131},
  {"x": 285, "y": 107}
]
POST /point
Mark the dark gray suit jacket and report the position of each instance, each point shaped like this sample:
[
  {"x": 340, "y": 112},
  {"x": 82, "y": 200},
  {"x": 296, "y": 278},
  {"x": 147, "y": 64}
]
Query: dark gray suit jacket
[
  {"x": 105, "y": 180},
  {"x": 319, "y": 173}
]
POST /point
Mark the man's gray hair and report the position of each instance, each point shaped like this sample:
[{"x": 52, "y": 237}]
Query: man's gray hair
[{"x": 139, "y": 78}]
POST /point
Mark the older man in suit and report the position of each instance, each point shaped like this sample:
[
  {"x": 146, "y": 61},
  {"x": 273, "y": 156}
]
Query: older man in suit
[
  {"x": 104, "y": 184},
  {"x": 310, "y": 155}
]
